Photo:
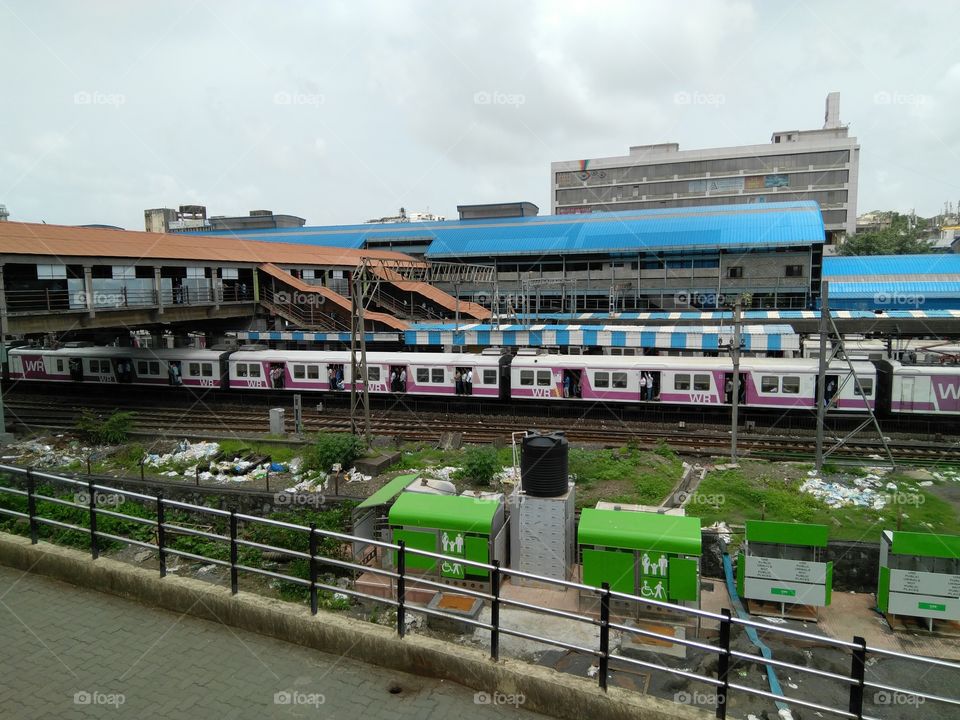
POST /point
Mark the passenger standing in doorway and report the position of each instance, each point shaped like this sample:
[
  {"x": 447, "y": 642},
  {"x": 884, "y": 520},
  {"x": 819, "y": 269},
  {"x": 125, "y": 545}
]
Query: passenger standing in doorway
[
  {"x": 643, "y": 386},
  {"x": 394, "y": 380},
  {"x": 650, "y": 390},
  {"x": 403, "y": 380},
  {"x": 331, "y": 379},
  {"x": 458, "y": 382},
  {"x": 468, "y": 385},
  {"x": 728, "y": 390},
  {"x": 566, "y": 385}
]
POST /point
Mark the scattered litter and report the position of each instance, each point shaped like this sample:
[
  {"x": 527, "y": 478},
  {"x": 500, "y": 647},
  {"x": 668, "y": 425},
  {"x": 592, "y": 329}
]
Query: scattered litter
[
  {"x": 592, "y": 671},
  {"x": 866, "y": 491},
  {"x": 186, "y": 453},
  {"x": 775, "y": 620}
]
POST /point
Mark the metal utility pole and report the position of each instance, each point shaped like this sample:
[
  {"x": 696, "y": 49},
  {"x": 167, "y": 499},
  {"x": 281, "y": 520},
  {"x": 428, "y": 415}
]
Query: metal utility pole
[
  {"x": 822, "y": 372},
  {"x": 359, "y": 401},
  {"x": 735, "y": 394}
]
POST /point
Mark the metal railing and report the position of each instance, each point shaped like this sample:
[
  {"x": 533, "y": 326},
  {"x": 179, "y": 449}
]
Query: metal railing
[
  {"x": 401, "y": 581},
  {"x": 302, "y": 308},
  {"x": 31, "y": 301}
]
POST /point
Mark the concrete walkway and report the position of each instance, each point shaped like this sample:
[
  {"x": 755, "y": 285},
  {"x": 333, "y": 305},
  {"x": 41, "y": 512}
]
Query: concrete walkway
[{"x": 66, "y": 652}]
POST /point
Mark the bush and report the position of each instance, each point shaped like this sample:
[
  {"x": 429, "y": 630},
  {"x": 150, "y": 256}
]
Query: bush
[
  {"x": 480, "y": 465},
  {"x": 115, "y": 429},
  {"x": 332, "y": 448}
]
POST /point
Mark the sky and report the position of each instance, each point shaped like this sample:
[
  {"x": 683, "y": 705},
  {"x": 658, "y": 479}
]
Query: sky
[{"x": 340, "y": 112}]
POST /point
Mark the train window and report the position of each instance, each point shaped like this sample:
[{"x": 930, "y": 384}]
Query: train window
[
  {"x": 436, "y": 375},
  {"x": 619, "y": 379},
  {"x": 254, "y": 369},
  {"x": 526, "y": 377},
  {"x": 681, "y": 382},
  {"x": 154, "y": 367},
  {"x": 99, "y": 366},
  {"x": 489, "y": 377},
  {"x": 313, "y": 372},
  {"x": 866, "y": 384},
  {"x": 142, "y": 367},
  {"x": 543, "y": 378},
  {"x": 241, "y": 369},
  {"x": 206, "y": 369},
  {"x": 701, "y": 382},
  {"x": 373, "y": 374},
  {"x": 769, "y": 384},
  {"x": 59, "y": 365},
  {"x": 193, "y": 369},
  {"x": 601, "y": 379},
  {"x": 299, "y": 372},
  {"x": 423, "y": 375},
  {"x": 791, "y": 385}
]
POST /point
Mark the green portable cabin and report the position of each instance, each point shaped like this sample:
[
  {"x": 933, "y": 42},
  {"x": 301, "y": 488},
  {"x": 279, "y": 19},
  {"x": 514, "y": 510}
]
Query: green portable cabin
[
  {"x": 451, "y": 525},
  {"x": 919, "y": 575},
  {"x": 647, "y": 554},
  {"x": 784, "y": 562}
]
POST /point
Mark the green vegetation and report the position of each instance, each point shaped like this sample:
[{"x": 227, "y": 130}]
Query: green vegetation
[
  {"x": 277, "y": 453},
  {"x": 115, "y": 429},
  {"x": 754, "y": 492},
  {"x": 331, "y": 448},
  {"x": 480, "y": 464},
  {"x": 903, "y": 236},
  {"x": 636, "y": 476}
]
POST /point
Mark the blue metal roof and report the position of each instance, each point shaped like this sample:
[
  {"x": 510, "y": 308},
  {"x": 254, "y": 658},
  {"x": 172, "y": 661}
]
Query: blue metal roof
[
  {"x": 883, "y": 291},
  {"x": 709, "y": 227},
  {"x": 934, "y": 264}
]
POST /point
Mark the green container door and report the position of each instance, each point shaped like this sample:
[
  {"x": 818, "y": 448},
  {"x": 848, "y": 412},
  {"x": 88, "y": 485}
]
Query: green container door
[
  {"x": 684, "y": 579},
  {"x": 419, "y": 541},
  {"x": 616, "y": 568}
]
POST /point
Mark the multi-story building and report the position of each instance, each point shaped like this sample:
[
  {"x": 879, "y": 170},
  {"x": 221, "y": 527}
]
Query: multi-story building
[
  {"x": 820, "y": 165},
  {"x": 193, "y": 218}
]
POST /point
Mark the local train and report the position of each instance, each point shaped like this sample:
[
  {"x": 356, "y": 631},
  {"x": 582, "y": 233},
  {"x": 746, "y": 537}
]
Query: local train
[{"x": 776, "y": 383}]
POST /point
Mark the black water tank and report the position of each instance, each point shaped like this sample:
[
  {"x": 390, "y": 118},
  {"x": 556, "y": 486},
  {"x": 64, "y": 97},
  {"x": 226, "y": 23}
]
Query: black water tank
[{"x": 543, "y": 464}]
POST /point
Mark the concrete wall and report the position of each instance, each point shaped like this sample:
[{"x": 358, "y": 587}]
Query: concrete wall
[{"x": 545, "y": 690}]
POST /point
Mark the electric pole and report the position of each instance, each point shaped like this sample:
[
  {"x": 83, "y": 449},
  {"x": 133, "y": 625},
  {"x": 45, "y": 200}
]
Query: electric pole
[
  {"x": 735, "y": 390},
  {"x": 822, "y": 372}
]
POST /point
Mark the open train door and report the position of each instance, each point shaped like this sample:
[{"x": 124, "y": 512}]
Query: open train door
[
  {"x": 728, "y": 389},
  {"x": 833, "y": 385},
  {"x": 75, "y": 366}
]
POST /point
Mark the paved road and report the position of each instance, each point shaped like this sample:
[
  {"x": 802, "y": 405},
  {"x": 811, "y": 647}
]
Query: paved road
[{"x": 66, "y": 652}]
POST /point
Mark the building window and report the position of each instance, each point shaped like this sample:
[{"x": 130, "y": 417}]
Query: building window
[
  {"x": 794, "y": 271},
  {"x": 735, "y": 271},
  {"x": 124, "y": 272},
  {"x": 601, "y": 380}
]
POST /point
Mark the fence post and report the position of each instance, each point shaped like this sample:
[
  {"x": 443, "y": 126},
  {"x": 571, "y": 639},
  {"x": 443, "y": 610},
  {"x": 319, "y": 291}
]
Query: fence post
[
  {"x": 495, "y": 612},
  {"x": 857, "y": 671},
  {"x": 161, "y": 534},
  {"x": 401, "y": 588},
  {"x": 92, "y": 499},
  {"x": 233, "y": 552},
  {"x": 723, "y": 664},
  {"x": 313, "y": 569},
  {"x": 604, "y": 635},
  {"x": 32, "y": 507}
]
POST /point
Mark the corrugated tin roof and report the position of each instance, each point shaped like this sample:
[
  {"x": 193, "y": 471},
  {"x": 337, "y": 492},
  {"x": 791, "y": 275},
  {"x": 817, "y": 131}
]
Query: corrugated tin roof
[
  {"x": 64, "y": 241},
  {"x": 788, "y": 223},
  {"x": 892, "y": 290},
  {"x": 934, "y": 264}
]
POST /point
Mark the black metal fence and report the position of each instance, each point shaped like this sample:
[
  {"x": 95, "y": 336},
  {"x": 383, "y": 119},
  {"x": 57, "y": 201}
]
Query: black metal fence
[{"x": 87, "y": 498}]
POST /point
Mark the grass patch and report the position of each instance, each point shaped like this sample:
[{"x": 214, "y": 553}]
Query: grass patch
[{"x": 733, "y": 497}]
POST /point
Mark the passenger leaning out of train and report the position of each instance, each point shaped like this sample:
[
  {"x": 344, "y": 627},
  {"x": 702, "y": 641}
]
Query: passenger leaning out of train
[
  {"x": 468, "y": 382},
  {"x": 458, "y": 382}
]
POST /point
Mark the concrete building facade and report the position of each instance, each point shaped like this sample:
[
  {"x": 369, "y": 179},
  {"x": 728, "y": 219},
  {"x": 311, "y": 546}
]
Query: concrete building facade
[{"x": 820, "y": 165}]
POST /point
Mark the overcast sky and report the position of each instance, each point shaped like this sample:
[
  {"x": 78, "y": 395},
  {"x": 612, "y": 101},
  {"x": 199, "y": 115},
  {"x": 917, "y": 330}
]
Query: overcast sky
[{"x": 343, "y": 111}]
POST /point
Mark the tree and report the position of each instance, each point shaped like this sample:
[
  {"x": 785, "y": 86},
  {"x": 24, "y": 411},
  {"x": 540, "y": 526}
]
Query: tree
[{"x": 901, "y": 237}]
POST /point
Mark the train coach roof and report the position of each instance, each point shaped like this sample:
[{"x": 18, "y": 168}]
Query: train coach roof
[
  {"x": 674, "y": 362},
  {"x": 343, "y": 356},
  {"x": 124, "y": 352},
  {"x": 926, "y": 370}
]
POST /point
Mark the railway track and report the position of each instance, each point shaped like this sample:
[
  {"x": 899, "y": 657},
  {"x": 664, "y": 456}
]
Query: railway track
[{"x": 49, "y": 413}]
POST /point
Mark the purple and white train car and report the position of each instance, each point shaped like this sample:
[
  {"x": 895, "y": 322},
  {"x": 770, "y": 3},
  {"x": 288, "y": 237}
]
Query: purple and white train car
[
  {"x": 412, "y": 373},
  {"x": 921, "y": 389},
  {"x": 187, "y": 367},
  {"x": 765, "y": 382}
]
